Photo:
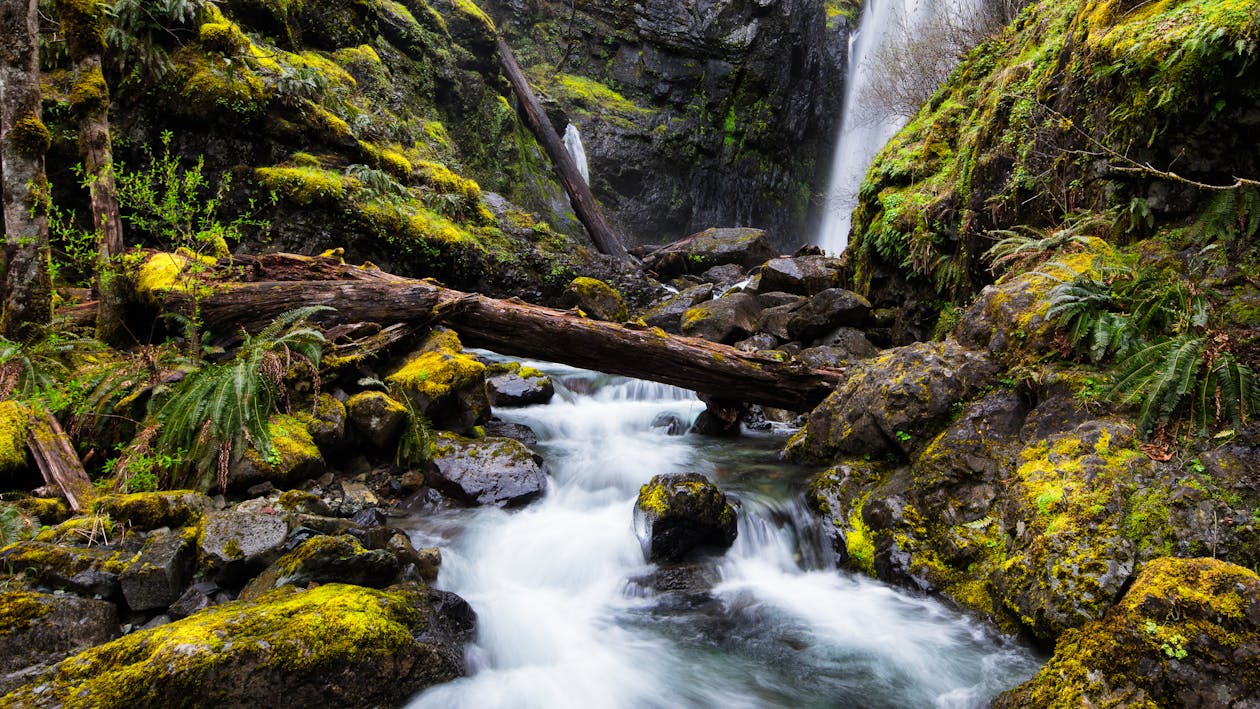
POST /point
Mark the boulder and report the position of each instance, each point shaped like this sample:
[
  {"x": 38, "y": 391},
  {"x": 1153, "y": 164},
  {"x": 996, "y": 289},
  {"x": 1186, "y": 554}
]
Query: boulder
[
  {"x": 775, "y": 299},
  {"x": 150, "y": 510},
  {"x": 825, "y": 357},
  {"x": 668, "y": 424},
  {"x": 1186, "y": 634},
  {"x": 850, "y": 339},
  {"x": 727, "y": 319},
  {"x": 893, "y": 402},
  {"x": 326, "y": 421},
  {"x": 497, "y": 428},
  {"x": 724, "y": 276},
  {"x": 510, "y": 384},
  {"x": 157, "y": 576},
  {"x": 596, "y": 298},
  {"x": 235, "y": 544},
  {"x": 667, "y": 314},
  {"x": 91, "y": 571},
  {"x": 802, "y": 275},
  {"x": 335, "y": 645},
  {"x": 774, "y": 321},
  {"x": 444, "y": 383},
  {"x": 295, "y": 457},
  {"x": 713, "y": 247},
  {"x": 758, "y": 342},
  {"x": 488, "y": 471},
  {"x": 677, "y": 514},
  {"x": 826, "y": 311},
  {"x": 377, "y": 417},
  {"x": 326, "y": 559},
  {"x": 37, "y": 630}
]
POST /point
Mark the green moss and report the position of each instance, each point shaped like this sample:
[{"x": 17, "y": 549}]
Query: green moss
[
  {"x": 288, "y": 632},
  {"x": 90, "y": 94},
  {"x": 83, "y": 26},
  {"x": 15, "y": 421},
  {"x": 18, "y": 609},
  {"x": 210, "y": 89},
  {"x": 305, "y": 185},
  {"x": 162, "y": 272},
  {"x": 48, "y": 510},
  {"x": 150, "y": 510},
  {"x": 225, "y": 37},
  {"x": 293, "y": 449},
  {"x": 439, "y": 367},
  {"x": 469, "y": 9},
  {"x": 88, "y": 529},
  {"x": 30, "y": 136},
  {"x": 859, "y": 542}
]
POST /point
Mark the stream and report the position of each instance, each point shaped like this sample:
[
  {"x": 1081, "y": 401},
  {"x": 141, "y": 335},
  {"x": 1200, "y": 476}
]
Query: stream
[{"x": 569, "y": 614}]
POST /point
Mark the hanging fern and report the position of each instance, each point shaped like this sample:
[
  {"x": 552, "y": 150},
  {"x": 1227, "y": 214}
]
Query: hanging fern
[{"x": 1023, "y": 245}]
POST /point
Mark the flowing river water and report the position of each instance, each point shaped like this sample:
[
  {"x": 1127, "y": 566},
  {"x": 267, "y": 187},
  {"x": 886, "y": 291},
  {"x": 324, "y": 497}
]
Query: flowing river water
[{"x": 568, "y": 615}]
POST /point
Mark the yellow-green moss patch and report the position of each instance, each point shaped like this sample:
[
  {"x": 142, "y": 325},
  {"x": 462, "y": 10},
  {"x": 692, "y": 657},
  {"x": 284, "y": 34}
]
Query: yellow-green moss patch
[{"x": 15, "y": 421}]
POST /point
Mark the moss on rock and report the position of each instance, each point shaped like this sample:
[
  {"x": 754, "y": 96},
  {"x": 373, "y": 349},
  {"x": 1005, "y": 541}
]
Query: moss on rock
[
  {"x": 15, "y": 420},
  {"x": 150, "y": 510}
]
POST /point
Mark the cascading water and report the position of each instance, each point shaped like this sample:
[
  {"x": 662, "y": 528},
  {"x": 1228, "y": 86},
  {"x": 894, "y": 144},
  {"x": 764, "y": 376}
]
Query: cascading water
[
  {"x": 564, "y": 619},
  {"x": 573, "y": 143},
  {"x": 865, "y": 123}
]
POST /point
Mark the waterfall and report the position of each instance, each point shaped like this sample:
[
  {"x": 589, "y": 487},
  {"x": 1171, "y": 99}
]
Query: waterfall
[
  {"x": 573, "y": 143},
  {"x": 867, "y": 123}
]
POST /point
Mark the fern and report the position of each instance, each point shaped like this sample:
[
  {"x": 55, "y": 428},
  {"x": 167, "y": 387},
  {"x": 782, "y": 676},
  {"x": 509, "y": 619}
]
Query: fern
[
  {"x": 216, "y": 411},
  {"x": 1024, "y": 245}
]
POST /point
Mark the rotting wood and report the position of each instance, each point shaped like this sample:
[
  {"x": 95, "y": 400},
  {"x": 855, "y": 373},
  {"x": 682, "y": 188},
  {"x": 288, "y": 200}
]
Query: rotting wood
[{"x": 58, "y": 463}]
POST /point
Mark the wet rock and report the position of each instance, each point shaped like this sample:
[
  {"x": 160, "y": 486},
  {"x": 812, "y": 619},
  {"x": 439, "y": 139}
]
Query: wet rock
[
  {"x": 295, "y": 457},
  {"x": 38, "y": 630},
  {"x": 334, "y": 645},
  {"x": 351, "y": 498},
  {"x": 724, "y": 276},
  {"x": 774, "y": 321},
  {"x": 892, "y": 402},
  {"x": 679, "y": 586},
  {"x": 156, "y": 578},
  {"x": 713, "y": 247},
  {"x": 667, "y": 315},
  {"x": 150, "y": 510},
  {"x": 234, "y": 544},
  {"x": 727, "y": 319},
  {"x": 326, "y": 559},
  {"x": 377, "y": 417},
  {"x": 669, "y": 424},
  {"x": 826, "y": 311},
  {"x": 596, "y": 298},
  {"x": 802, "y": 275},
  {"x": 1186, "y": 634},
  {"x": 497, "y": 428},
  {"x": 326, "y": 422},
  {"x": 444, "y": 383},
  {"x": 677, "y": 514},
  {"x": 424, "y": 563},
  {"x": 758, "y": 342},
  {"x": 489, "y": 471},
  {"x": 776, "y": 299},
  {"x": 510, "y": 384},
  {"x": 91, "y": 571},
  {"x": 850, "y": 339}
]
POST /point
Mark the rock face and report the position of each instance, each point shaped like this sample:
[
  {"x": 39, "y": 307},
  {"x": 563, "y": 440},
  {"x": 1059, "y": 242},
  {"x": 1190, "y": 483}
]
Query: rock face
[
  {"x": 712, "y": 121},
  {"x": 509, "y": 384},
  {"x": 699, "y": 253},
  {"x": 888, "y": 402},
  {"x": 489, "y": 471},
  {"x": 37, "y": 630},
  {"x": 1186, "y": 634},
  {"x": 680, "y": 513},
  {"x": 335, "y": 645}
]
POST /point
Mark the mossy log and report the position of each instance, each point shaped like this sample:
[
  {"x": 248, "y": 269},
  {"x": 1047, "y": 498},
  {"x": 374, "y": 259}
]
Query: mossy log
[
  {"x": 513, "y": 327},
  {"x": 580, "y": 195},
  {"x": 57, "y": 461}
]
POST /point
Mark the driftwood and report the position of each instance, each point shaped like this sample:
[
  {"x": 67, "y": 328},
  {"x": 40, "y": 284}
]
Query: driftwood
[
  {"x": 58, "y": 463},
  {"x": 513, "y": 327},
  {"x": 583, "y": 201}
]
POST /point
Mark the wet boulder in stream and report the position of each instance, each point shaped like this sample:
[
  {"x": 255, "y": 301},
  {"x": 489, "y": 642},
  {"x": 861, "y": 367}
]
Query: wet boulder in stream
[
  {"x": 488, "y": 471},
  {"x": 511, "y": 384},
  {"x": 678, "y": 513}
]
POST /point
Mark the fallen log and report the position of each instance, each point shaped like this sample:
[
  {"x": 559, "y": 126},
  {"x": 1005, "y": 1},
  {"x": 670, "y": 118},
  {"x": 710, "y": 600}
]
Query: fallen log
[
  {"x": 516, "y": 328},
  {"x": 58, "y": 463}
]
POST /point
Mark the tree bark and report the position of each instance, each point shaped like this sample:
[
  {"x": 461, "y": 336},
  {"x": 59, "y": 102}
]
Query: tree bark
[
  {"x": 26, "y": 291},
  {"x": 57, "y": 461},
  {"x": 83, "y": 25},
  {"x": 580, "y": 196},
  {"x": 512, "y": 327}
]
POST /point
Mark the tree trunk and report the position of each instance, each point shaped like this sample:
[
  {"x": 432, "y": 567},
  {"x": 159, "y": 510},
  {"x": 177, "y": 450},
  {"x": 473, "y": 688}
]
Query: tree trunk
[
  {"x": 57, "y": 461},
  {"x": 512, "y": 327},
  {"x": 83, "y": 25},
  {"x": 583, "y": 201},
  {"x": 26, "y": 292}
]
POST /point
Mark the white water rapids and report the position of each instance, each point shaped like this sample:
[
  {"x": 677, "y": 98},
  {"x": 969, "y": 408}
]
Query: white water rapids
[{"x": 563, "y": 623}]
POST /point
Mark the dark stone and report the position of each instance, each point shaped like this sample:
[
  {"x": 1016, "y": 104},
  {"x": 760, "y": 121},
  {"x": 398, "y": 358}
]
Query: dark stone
[
  {"x": 727, "y": 319},
  {"x": 156, "y": 578},
  {"x": 826, "y": 311},
  {"x": 377, "y": 417},
  {"x": 327, "y": 559},
  {"x": 713, "y": 247},
  {"x": 234, "y": 544},
  {"x": 802, "y": 275},
  {"x": 825, "y": 356},
  {"x": 774, "y": 321},
  {"x": 498, "y": 428},
  {"x": 775, "y": 299},
  {"x": 758, "y": 342},
  {"x": 724, "y": 276},
  {"x": 850, "y": 339},
  {"x": 509, "y": 384},
  {"x": 38, "y": 630},
  {"x": 194, "y": 599},
  {"x": 91, "y": 571},
  {"x": 326, "y": 422},
  {"x": 667, "y": 315},
  {"x": 669, "y": 424},
  {"x": 488, "y": 471},
  {"x": 677, "y": 514}
]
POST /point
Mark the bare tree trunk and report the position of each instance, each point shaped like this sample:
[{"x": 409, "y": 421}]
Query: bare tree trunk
[
  {"x": 57, "y": 461},
  {"x": 83, "y": 24},
  {"x": 580, "y": 196},
  {"x": 26, "y": 293}
]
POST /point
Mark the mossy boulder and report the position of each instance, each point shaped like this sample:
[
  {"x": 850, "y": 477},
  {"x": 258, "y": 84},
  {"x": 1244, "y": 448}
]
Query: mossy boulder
[
  {"x": 158, "y": 575},
  {"x": 325, "y": 420},
  {"x": 295, "y": 457},
  {"x": 487, "y": 471},
  {"x": 38, "y": 630},
  {"x": 335, "y": 645},
  {"x": 826, "y": 311},
  {"x": 713, "y": 247},
  {"x": 233, "y": 545},
  {"x": 726, "y": 320},
  {"x": 893, "y": 403},
  {"x": 376, "y": 416},
  {"x": 510, "y": 384},
  {"x": 668, "y": 313},
  {"x": 1186, "y": 634},
  {"x": 327, "y": 559},
  {"x": 678, "y": 514},
  {"x": 48, "y": 510},
  {"x": 150, "y": 510},
  {"x": 87, "y": 571},
  {"x": 444, "y": 383},
  {"x": 595, "y": 298},
  {"x": 800, "y": 275},
  {"x": 15, "y": 419}
]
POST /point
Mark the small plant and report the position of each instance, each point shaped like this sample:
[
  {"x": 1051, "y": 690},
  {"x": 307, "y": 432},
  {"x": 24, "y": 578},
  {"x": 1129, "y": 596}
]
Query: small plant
[
  {"x": 1171, "y": 643},
  {"x": 903, "y": 436}
]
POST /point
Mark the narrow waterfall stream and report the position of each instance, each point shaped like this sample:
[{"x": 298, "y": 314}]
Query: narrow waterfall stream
[
  {"x": 573, "y": 144},
  {"x": 568, "y": 615}
]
